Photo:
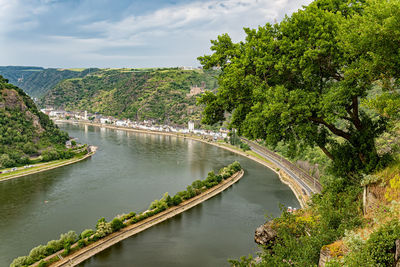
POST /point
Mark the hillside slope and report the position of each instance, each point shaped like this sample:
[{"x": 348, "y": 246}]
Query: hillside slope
[
  {"x": 24, "y": 130},
  {"x": 159, "y": 94},
  {"x": 36, "y": 81}
]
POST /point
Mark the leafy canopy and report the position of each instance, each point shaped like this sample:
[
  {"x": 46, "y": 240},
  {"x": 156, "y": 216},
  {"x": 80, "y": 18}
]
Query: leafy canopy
[{"x": 301, "y": 80}]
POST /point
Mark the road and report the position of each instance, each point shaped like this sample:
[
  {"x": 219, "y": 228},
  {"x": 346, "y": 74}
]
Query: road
[{"x": 277, "y": 160}]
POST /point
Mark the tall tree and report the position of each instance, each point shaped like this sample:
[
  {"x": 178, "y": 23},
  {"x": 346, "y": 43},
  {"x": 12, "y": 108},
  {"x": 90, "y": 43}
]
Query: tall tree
[{"x": 298, "y": 82}]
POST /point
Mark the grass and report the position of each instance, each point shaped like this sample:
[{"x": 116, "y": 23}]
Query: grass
[{"x": 38, "y": 167}]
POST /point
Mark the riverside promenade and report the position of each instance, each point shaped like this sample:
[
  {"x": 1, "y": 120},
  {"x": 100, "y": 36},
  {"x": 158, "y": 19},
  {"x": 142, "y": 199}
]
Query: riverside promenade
[{"x": 92, "y": 249}]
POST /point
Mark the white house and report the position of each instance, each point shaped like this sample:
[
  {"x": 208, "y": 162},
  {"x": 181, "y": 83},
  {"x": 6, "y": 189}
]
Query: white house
[
  {"x": 191, "y": 126},
  {"x": 104, "y": 120},
  {"x": 121, "y": 123}
]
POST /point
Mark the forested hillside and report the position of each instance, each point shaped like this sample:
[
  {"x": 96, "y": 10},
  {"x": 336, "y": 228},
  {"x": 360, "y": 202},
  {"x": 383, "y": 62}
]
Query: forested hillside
[
  {"x": 24, "y": 130},
  {"x": 36, "y": 81},
  {"x": 324, "y": 79},
  {"x": 138, "y": 94}
]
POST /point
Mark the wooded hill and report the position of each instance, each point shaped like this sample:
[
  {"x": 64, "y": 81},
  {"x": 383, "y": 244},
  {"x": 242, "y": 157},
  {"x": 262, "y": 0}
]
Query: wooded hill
[
  {"x": 139, "y": 94},
  {"x": 36, "y": 81},
  {"x": 24, "y": 130}
]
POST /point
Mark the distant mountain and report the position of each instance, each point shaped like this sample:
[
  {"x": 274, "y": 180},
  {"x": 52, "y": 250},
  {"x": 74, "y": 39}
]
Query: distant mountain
[
  {"x": 24, "y": 130},
  {"x": 36, "y": 81},
  {"x": 164, "y": 95}
]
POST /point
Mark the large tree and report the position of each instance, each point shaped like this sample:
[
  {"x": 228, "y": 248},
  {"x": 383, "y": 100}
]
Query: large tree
[{"x": 301, "y": 82}]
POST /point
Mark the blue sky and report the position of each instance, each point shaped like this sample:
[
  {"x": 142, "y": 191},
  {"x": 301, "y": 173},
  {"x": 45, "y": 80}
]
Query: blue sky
[{"x": 120, "y": 33}]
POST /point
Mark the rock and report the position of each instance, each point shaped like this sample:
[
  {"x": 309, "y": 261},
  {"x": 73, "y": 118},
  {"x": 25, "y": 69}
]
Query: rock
[
  {"x": 331, "y": 251},
  {"x": 265, "y": 234},
  {"x": 324, "y": 256},
  {"x": 397, "y": 255}
]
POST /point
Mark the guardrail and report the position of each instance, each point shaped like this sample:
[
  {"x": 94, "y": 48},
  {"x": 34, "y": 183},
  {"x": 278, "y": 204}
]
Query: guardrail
[{"x": 302, "y": 174}]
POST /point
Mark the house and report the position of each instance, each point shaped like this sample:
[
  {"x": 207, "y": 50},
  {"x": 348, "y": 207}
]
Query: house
[
  {"x": 121, "y": 123},
  {"x": 191, "y": 126},
  {"x": 104, "y": 120}
]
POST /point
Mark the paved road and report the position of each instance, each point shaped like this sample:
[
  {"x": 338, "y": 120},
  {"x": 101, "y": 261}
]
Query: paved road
[{"x": 305, "y": 187}]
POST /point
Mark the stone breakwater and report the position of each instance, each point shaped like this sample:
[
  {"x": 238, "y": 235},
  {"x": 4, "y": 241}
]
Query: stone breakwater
[{"x": 94, "y": 248}]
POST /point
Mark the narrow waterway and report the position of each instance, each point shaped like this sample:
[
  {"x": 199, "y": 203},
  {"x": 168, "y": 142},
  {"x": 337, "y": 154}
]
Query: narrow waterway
[{"x": 128, "y": 172}]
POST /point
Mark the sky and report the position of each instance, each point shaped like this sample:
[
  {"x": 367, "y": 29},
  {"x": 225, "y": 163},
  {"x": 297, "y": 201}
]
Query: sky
[{"x": 121, "y": 33}]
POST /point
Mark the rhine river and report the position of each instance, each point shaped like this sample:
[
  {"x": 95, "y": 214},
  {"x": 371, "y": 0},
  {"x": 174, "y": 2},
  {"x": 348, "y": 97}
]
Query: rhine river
[{"x": 126, "y": 174}]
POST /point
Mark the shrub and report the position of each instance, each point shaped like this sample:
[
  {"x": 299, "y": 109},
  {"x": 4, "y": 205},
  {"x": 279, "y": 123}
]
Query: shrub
[
  {"x": 117, "y": 224},
  {"x": 38, "y": 253},
  {"x": 86, "y": 233},
  {"x": 103, "y": 229},
  {"x": 69, "y": 237},
  {"x": 54, "y": 246},
  {"x": 81, "y": 243},
  {"x": 177, "y": 200},
  {"x": 21, "y": 261},
  {"x": 381, "y": 244}
]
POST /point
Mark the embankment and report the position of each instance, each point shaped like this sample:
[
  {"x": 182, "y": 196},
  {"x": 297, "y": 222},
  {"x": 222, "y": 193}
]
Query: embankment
[
  {"x": 284, "y": 177},
  {"x": 48, "y": 166},
  {"x": 94, "y": 248}
]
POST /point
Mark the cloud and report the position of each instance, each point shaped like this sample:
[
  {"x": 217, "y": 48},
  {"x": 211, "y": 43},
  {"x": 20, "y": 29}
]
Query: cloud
[{"x": 171, "y": 35}]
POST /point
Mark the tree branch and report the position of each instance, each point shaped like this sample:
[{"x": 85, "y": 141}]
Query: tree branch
[
  {"x": 356, "y": 119},
  {"x": 327, "y": 153},
  {"x": 331, "y": 127}
]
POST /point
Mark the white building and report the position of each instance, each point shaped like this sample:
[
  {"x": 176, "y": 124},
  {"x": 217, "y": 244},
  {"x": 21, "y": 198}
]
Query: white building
[
  {"x": 104, "y": 120},
  {"x": 191, "y": 126},
  {"x": 121, "y": 123}
]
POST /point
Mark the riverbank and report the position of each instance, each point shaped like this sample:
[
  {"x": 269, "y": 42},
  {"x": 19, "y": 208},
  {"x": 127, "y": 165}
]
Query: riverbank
[
  {"x": 284, "y": 177},
  {"x": 45, "y": 166},
  {"x": 86, "y": 252}
]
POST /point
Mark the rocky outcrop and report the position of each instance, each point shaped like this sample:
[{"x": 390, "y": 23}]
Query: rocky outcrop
[
  {"x": 397, "y": 255},
  {"x": 324, "y": 256},
  {"x": 335, "y": 250},
  {"x": 265, "y": 234}
]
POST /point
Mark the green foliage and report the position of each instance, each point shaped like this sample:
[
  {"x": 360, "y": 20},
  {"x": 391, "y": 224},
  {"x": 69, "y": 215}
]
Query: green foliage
[
  {"x": 302, "y": 80},
  {"x": 300, "y": 238},
  {"x": 104, "y": 228},
  {"x": 381, "y": 244},
  {"x": 117, "y": 224},
  {"x": 37, "y": 81},
  {"x": 24, "y": 130},
  {"x": 86, "y": 233},
  {"x": 158, "y": 94}
]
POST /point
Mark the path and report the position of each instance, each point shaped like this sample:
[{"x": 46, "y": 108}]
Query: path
[
  {"x": 308, "y": 183},
  {"x": 92, "y": 249}
]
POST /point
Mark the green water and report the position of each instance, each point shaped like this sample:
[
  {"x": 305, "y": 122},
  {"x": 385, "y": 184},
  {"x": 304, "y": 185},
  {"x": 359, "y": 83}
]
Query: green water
[{"x": 128, "y": 172}]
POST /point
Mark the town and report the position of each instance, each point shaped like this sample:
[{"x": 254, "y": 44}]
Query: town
[{"x": 146, "y": 125}]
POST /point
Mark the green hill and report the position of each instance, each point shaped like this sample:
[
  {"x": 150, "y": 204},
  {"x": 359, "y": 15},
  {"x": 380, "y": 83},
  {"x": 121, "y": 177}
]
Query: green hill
[
  {"x": 36, "y": 81},
  {"x": 25, "y": 132},
  {"x": 138, "y": 94}
]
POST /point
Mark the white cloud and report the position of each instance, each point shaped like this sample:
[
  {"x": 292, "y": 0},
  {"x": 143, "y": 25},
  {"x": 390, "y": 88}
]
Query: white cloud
[{"x": 169, "y": 36}]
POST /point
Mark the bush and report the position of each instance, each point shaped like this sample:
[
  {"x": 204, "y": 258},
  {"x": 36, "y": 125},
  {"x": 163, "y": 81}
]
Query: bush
[
  {"x": 381, "y": 244},
  {"x": 81, "y": 243},
  {"x": 21, "y": 261},
  {"x": 177, "y": 200},
  {"x": 86, "y": 233},
  {"x": 69, "y": 237},
  {"x": 38, "y": 253},
  {"x": 117, "y": 224}
]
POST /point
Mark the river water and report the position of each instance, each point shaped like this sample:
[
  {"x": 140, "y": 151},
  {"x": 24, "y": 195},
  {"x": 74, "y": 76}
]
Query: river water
[{"x": 127, "y": 173}]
